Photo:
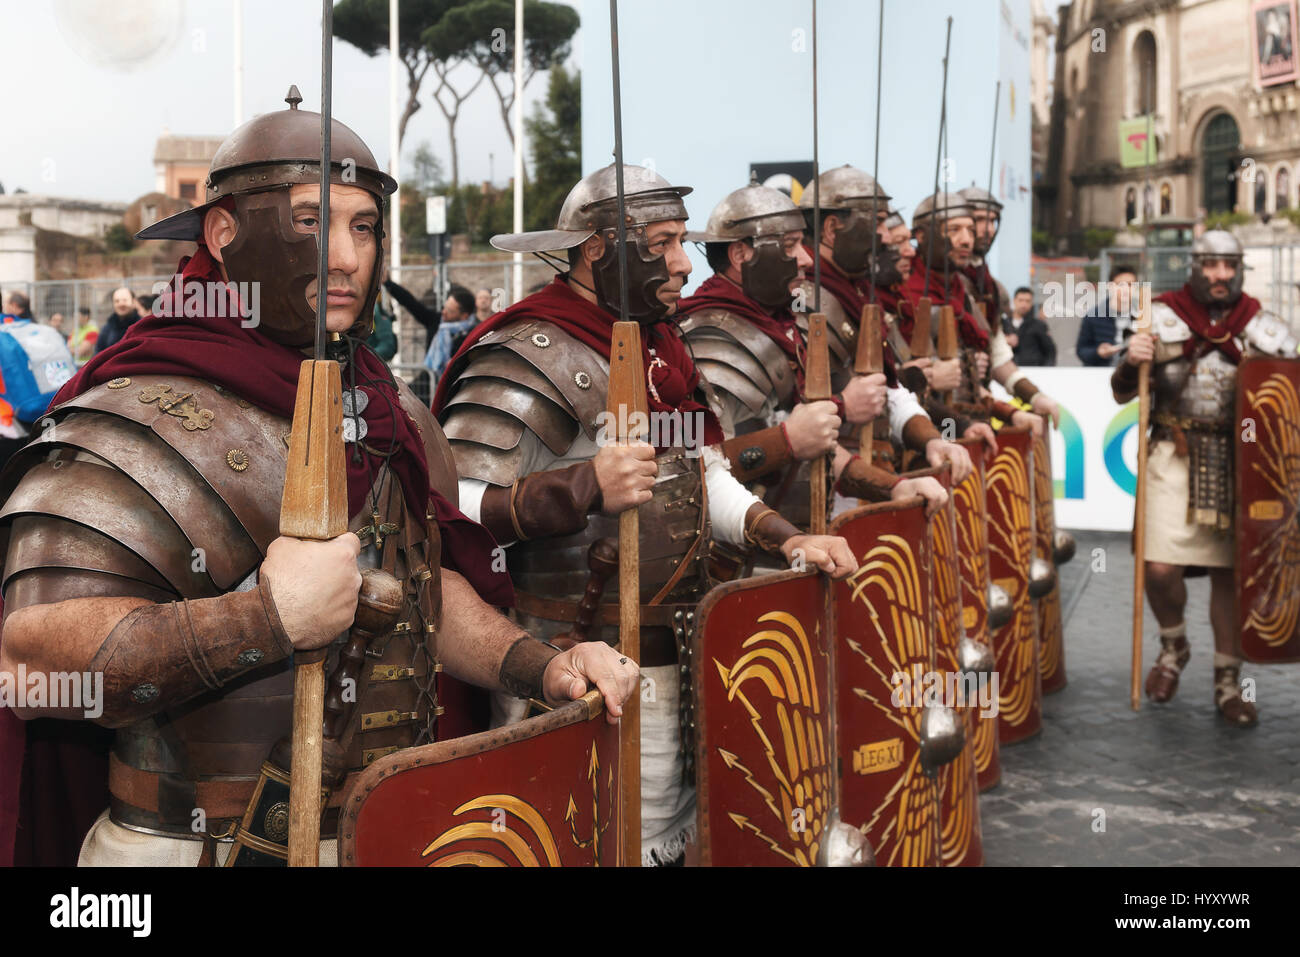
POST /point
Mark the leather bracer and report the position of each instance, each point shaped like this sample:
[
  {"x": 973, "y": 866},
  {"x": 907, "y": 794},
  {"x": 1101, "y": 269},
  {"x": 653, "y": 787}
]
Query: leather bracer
[
  {"x": 543, "y": 504},
  {"x": 940, "y": 412},
  {"x": 524, "y": 665},
  {"x": 1025, "y": 390},
  {"x": 1005, "y": 411},
  {"x": 1124, "y": 381},
  {"x": 757, "y": 453},
  {"x": 766, "y": 529},
  {"x": 160, "y": 656},
  {"x": 861, "y": 479},
  {"x": 917, "y": 431}
]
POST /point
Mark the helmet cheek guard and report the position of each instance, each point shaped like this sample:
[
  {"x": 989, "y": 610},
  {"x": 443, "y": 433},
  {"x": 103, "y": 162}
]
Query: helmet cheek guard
[
  {"x": 852, "y": 250},
  {"x": 646, "y": 272},
  {"x": 766, "y": 276}
]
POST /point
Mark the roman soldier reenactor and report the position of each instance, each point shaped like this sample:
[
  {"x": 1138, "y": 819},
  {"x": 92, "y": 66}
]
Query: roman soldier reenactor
[
  {"x": 751, "y": 350},
  {"x": 853, "y": 207},
  {"x": 143, "y": 525},
  {"x": 1199, "y": 334},
  {"x": 523, "y": 404},
  {"x": 943, "y": 227}
]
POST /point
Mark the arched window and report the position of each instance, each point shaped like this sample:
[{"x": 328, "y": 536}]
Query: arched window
[
  {"x": 1282, "y": 185},
  {"x": 1144, "y": 74},
  {"x": 1130, "y": 205},
  {"x": 1220, "y": 142},
  {"x": 1166, "y": 199},
  {"x": 1261, "y": 190}
]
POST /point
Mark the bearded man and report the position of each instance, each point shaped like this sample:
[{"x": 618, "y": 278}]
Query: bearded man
[
  {"x": 143, "y": 525},
  {"x": 1198, "y": 336},
  {"x": 523, "y": 406}
]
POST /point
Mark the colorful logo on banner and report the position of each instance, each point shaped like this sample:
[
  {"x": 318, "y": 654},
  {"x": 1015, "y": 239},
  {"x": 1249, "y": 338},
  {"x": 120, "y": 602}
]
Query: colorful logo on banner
[
  {"x": 1072, "y": 435},
  {"x": 1113, "y": 448}
]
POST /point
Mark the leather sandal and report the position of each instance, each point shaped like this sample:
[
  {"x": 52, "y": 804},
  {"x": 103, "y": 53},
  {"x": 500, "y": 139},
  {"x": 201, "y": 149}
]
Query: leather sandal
[
  {"x": 1227, "y": 698},
  {"x": 1162, "y": 680}
]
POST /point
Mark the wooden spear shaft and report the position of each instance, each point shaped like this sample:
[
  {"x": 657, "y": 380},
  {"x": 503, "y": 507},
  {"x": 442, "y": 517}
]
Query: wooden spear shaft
[
  {"x": 627, "y": 404},
  {"x": 817, "y": 386},
  {"x": 1142, "y": 324}
]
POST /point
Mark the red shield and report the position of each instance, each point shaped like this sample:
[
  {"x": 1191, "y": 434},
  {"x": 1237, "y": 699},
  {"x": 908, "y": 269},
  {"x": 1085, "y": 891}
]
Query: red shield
[
  {"x": 884, "y": 623},
  {"x": 467, "y": 801},
  {"x": 1009, "y": 496},
  {"x": 1268, "y": 490},
  {"x": 971, "y": 515},
  {"x": 761, "y": 674},
  {"x": 1051, "y": 638},
  {"x": 959, "y": 838}
]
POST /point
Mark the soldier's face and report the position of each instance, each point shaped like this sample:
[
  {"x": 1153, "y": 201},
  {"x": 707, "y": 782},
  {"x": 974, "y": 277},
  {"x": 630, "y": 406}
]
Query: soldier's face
[
  {"x": 354, "y": 248},
  {"x": 1219, "y": 273},
  {"x": 985, "y": 224},
  {"x": 665, "y": 239},
  {"x": 961, "y": 236},
  {"x": 900, "y": 237}
]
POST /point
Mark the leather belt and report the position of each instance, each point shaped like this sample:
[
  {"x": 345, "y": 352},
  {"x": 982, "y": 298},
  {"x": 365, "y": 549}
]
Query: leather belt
[
  {"x": 219, "y": 799},
  {"x": 658, "y": 644}
]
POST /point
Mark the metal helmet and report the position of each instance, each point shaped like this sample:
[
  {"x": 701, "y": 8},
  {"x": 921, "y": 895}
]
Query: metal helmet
[
  {"x": 592, "y": 207},
  {"x": 929, "y": 217},
  {"x": 857, "y": 199},
  {"x": 1216, "y": 244},
  {"x": 256, "y": 165},
  {"x": 761, "y": 216},
  {"x": 981, "y": 200}
]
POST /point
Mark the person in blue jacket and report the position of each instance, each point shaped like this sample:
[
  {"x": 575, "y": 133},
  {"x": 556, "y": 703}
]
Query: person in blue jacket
[
  {"x": 34, "y": 361},
  {"x": 1098, "y": 342}
]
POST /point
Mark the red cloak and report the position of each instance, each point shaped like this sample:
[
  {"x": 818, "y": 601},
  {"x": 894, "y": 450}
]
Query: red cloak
[
  {"x": 1207, "y": 333},
  {"x": 923, "y": 282}
]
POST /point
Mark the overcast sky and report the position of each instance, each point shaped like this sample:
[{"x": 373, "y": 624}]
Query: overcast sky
[{"x": 91, "y": 84}]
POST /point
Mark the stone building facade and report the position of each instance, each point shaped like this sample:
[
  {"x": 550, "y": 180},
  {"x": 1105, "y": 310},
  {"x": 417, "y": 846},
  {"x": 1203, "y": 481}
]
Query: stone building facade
[{"x": 1224, "y": 143}]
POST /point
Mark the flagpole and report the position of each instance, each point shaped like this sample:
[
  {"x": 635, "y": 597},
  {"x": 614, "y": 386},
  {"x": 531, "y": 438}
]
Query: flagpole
[
  {"x": 519, "y": 146},
  {"x": 394, "y": 140}
]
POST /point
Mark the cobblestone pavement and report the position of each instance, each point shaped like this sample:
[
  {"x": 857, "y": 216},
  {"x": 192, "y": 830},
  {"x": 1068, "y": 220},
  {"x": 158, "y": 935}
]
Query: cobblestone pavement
[{"x": 1177, "y": 785}]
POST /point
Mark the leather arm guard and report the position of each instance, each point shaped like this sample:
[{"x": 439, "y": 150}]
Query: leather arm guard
[
  {"x": 917, "y": 431},
  {"x": 1005, "y": 410},
  {"x": 913, "y": 379},
  {"x": 861, "y": 479},
  {"x": 767, "y": 530},
  {"x": 757, "y": 453},
  {"x": 542, "y": 505},
  {"x": 1124, "y": 381},
  {"x": 941, "y": 413},
  {"x": 1024, "y": 390},
  {"x": 523, "y": 666},
  {"x": 160, "y": 656}
]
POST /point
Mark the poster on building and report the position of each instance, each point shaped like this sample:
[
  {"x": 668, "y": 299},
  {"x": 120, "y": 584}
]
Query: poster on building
[
  {"x": 1137, "y": 145},
  {"x": 790, "y": 178},
  {"x": 1274, "y": 32}
]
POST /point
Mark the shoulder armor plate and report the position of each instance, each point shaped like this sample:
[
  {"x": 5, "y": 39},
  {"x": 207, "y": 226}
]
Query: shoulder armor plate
[
  {"x": 1167, "y": 325},
  {"x": 1268, "y": 333}
]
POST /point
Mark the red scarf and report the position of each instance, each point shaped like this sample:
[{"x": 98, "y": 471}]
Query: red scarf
[
  {"x": 986, "y": 290},
  {"x": 718, "y": 292},
  {"x": 1208, "y": 334},
  {"x": 671, "y": 377},
  {"x": 968, "y": 327},
  {"x": 253, "y": 367},
  {"x": 852, "y": 295}
]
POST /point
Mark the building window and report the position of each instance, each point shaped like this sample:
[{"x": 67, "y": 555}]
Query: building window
[
  {"x": 188, "y": 190},
  {"x": 1144, "y": 73},
  {"x": 1283, "y": 187},
  {"x": 1130, "y": 205},
  {"x": 1261, "y": 191},
  {"x": 1166, "y": 199},
  {"x": 1220, "y": 144}
]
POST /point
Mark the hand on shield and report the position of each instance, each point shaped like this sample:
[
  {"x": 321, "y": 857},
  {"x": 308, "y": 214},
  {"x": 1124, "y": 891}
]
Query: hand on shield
[
  {"x": 938, "y": 451},
  {"x": 314, "y": 586},
  {"x": 864, "y": 397},
  {"x": 830, "y": 553},
  {"x": 982, "y": 430},
  {"x": 626, "y": 475},
  {"x": 1044, "y": 404},
  {"x": 569, "y": 675},
  {"x": 1035, "y": 422},
  {"x": 935, "y": 495}
]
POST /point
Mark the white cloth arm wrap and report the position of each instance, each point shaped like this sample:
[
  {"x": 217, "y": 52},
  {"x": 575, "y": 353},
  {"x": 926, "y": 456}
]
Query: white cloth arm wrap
[
  {"x": 728, "y": 499},
  {"x": 902, "y": 406}
]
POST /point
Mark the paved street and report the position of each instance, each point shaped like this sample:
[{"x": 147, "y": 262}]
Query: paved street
[{"x": 1177, "y": 785}]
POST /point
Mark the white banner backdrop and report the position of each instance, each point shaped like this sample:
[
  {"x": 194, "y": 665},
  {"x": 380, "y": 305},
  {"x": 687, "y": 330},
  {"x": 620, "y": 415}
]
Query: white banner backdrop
[{"x": 1094, "y": 452}]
